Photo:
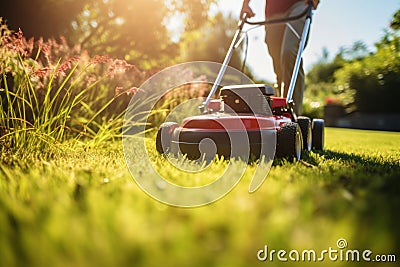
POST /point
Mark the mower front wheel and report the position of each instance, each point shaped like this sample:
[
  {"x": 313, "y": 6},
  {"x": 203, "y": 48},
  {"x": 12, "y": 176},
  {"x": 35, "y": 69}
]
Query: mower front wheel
[
  {"x": 164, "y": 137},
  {"x": 290, "y": 141}
]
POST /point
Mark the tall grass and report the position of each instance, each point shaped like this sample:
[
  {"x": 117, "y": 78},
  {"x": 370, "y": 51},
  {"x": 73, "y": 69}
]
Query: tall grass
[
  {"x": 51, "y": 92},
  {"x": 32, "y": 120}
]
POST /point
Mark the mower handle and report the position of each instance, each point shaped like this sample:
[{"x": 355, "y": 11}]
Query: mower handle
[
  {"x": 283, "y": 20},
  {"x": 243, "y": 20},
  {"x": 204, "y": 107}
]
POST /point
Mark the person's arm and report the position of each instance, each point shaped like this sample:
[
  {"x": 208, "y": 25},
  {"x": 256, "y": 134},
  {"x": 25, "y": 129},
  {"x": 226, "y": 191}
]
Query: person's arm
[
  {"x": 246, "y": 9},
  {"x": 315, "y": 3}
]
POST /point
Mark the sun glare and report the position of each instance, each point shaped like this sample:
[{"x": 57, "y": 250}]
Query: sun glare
[{"x": 119, "y": 21}]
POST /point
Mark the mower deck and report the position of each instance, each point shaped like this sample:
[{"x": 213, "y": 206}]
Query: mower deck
[{"x": 244, "y": 131}]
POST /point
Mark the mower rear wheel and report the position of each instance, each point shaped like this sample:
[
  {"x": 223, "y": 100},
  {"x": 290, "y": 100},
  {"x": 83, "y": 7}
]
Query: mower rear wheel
[
  {"x": 306, "y": 132},
  {"x": 290, "y": 141},
  {"x": 318, "y": 126},
  {"x": 164, "y": 137}
]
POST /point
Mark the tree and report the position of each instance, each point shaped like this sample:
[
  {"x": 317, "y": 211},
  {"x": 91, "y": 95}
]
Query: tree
[
  {"x": 323, "y": 71},
  {"x": 41, "y": 18},
  {"x": 195, "y": 12},
  {"x": 135, "y": 30},
  {"x": 395, "y": 24},
  {"x": 364, "y": 81},
  {"x": 132, "y": 30},
  {"x": 211, "y": 41},
  {"x": 374, "y": 79}
]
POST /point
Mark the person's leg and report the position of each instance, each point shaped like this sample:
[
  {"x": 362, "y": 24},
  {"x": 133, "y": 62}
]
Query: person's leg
[
  {"x": 289, "y": 49},
  {"x": 273, "y": 38}
]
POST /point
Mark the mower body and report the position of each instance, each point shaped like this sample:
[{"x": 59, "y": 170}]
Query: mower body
[{"x": 246, "y": 117}]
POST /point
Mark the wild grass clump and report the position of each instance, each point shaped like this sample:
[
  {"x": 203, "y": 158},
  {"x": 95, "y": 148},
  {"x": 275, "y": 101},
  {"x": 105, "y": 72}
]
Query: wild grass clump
[{"x": 52, "y": 92}]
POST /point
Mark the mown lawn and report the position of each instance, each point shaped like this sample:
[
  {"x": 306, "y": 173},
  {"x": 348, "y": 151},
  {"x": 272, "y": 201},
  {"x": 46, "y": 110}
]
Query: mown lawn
[{"x": 82, "y": 208}]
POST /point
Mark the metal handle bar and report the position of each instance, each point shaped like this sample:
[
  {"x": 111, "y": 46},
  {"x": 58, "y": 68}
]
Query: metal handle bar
[
  {"x": 282, "y": 20},
  {"x": 302, "y": 45},
  {"x": 225, "y": 63}
]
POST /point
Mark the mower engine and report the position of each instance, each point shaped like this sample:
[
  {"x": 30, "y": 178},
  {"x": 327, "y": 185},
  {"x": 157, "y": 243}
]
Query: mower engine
[{"x": 248, "y": 99}]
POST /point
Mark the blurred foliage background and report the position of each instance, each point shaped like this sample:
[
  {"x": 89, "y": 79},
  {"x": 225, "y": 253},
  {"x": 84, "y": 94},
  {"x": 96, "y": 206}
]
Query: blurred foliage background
[
  {"x": 137, "y": 31},
  {"x": 360, "y": 79},
  {"x": 154, "y": 34}
]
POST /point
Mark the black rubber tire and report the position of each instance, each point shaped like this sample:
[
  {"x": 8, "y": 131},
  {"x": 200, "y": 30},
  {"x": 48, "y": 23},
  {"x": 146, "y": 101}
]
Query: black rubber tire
[
  {"x": 306, "y": 131},
  {"x": 290, "y": 141},
  {"x": 318, "y": 134},
  {"x": 164, "y": 137}
]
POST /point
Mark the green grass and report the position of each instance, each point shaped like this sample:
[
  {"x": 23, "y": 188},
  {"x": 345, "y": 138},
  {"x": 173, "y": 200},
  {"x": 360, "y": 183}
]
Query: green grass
[{"x": 82, "y": 208}]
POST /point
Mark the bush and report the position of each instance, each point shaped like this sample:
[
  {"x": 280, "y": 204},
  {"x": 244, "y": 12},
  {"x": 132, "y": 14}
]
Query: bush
[
  {"x": 315, "y": 97},
  {"x": 374, "y": 80}
]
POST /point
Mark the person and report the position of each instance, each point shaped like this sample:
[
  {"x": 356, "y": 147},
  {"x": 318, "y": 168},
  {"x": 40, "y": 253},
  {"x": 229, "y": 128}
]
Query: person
[{"x": 283, "y": 43}]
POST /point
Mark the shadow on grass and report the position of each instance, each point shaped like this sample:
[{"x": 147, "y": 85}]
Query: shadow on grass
[
  {"x": 366, "y": 168},
  {"x": 374, "y": 181},
  {"x": 362, "y": 190}
]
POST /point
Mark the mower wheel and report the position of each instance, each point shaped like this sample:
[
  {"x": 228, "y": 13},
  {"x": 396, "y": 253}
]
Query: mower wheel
[
  {"x": 290, "y": 141},
  {"x": 164, "y": 137},
  {"x": 318, "y": 126},
  {"x": 306, "y": 132}
]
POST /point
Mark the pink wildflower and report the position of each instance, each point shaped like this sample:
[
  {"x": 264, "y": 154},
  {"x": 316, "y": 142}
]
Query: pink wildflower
[
  {"x": 118, "y": 91},
  {"x": 42, "y": 72},
  {"x": 118, "y": 66},
  {"x": 67, "y": 65},
  {"x": 132, "y": 91},
  {"x": 99, "y": 59}
]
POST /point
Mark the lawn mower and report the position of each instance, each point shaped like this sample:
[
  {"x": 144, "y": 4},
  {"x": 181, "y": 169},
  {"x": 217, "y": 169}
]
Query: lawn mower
[{"x": 246, "y": 115}]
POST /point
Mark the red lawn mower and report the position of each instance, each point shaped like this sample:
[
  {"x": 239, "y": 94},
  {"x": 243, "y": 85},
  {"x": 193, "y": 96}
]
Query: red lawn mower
[{"x": 248, "y": 117}]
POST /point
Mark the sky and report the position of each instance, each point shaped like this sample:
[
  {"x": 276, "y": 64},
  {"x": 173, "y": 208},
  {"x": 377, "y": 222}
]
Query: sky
[{"x": 336, "y": 23}]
